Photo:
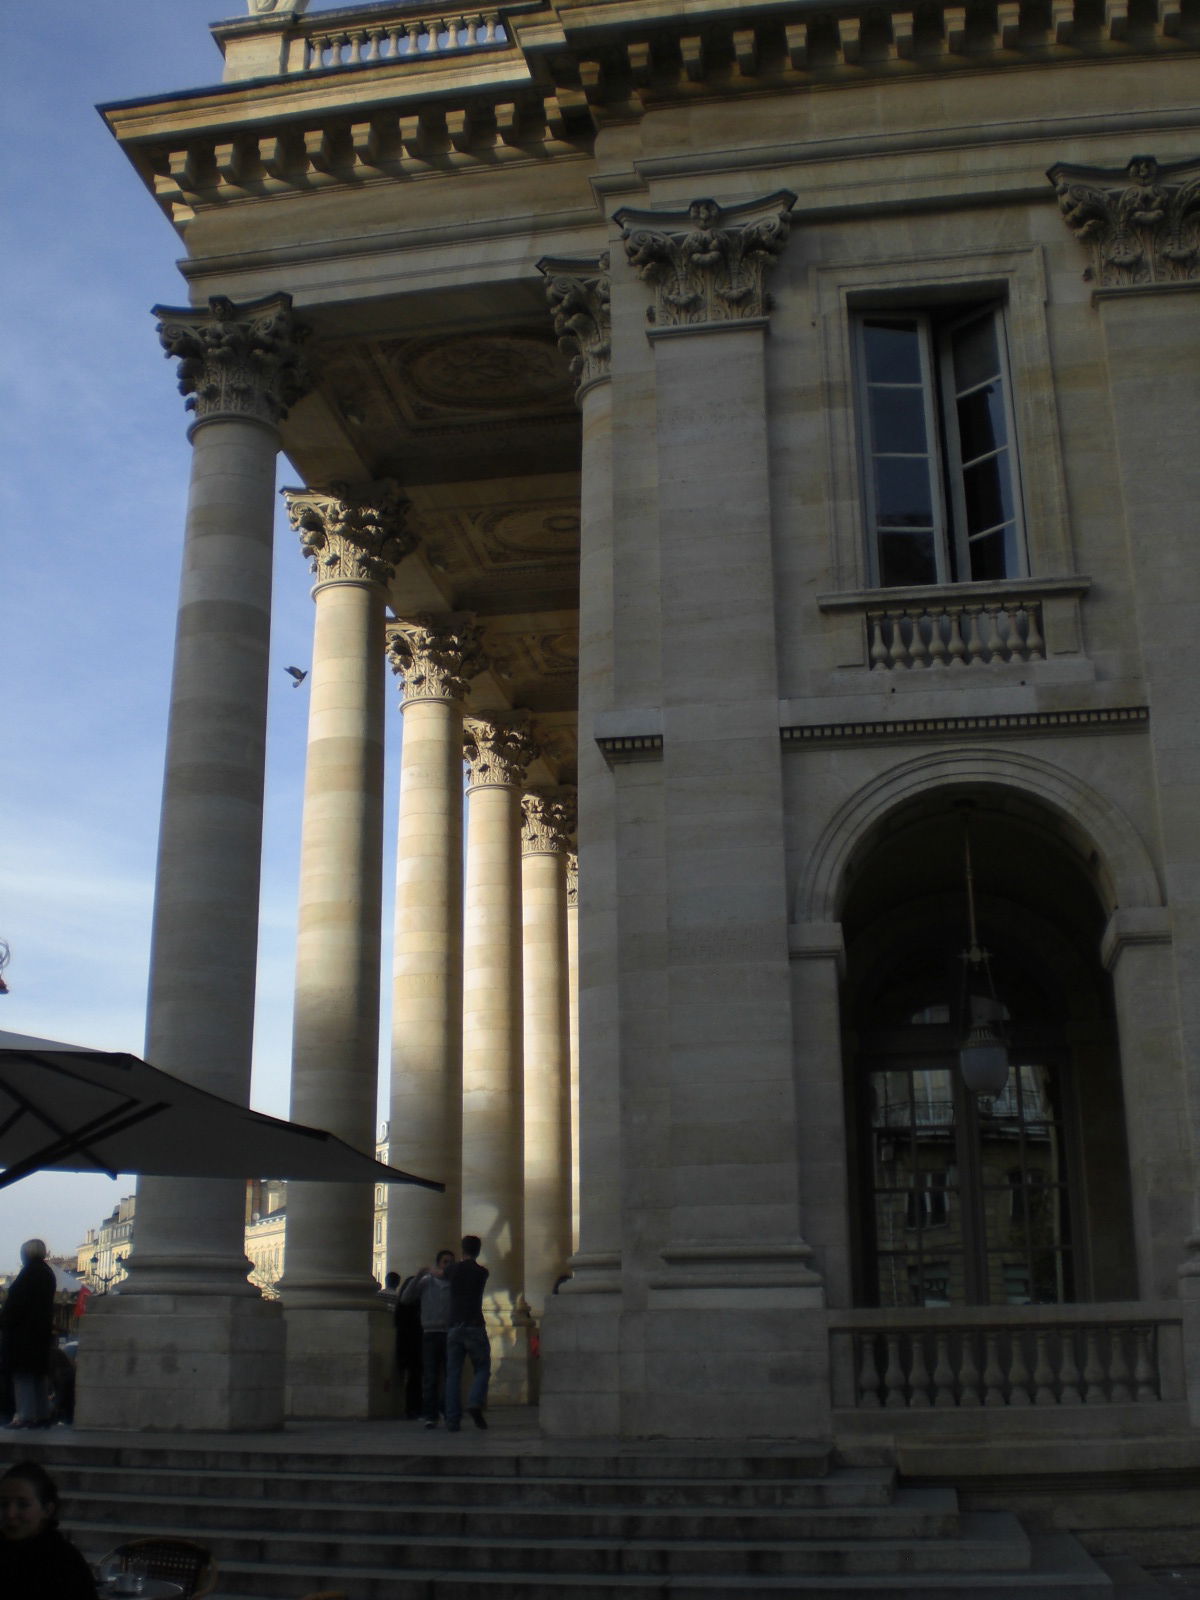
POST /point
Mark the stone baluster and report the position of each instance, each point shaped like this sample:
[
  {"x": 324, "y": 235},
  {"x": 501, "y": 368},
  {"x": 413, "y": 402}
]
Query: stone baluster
[
  {"x": 937, "y": 643},
  {"x": 968, "y": 1373},
  {"x": 337, "y": 1361},
  {"x": 1043, "y": 1372},
  {"x": 1018, "y": 1370},
  {"x": 974, "y": 635},
  {"x": 993, "y": 1372},
  {"x": 1035, "y": 645},
  {"x": 1068, "y": 1370},
  {"x": 1143, "y": 1371},
  {"x": 901, "y": 655},
  {"x": 868, "y": 1372},
  {"x": 436, "y": 658},
  {"x": 1093, "y": 1371},
  {"x": 918, "y": 648},
  {"x": 943, "y": 1374},
  {"x": 188, "y": 1342},
  {"x": 498, "y": 750},
  {"x": 996, "y": 648},
  {"x": 880, "y": 655},
  {"x": 893, "y": 1377},
  {"x": 918, "y": 1374},
  {"x": 1118, "y": 1365},
  {"x": 958, "y": 648}
]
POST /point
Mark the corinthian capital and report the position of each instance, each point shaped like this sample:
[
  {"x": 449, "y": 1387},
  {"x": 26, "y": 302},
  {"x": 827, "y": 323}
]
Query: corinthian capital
[
  {"x": 577, "y": 293},
  {"x": 236, "y": 360},
  {"x": 708, "y": 263},
  {"x": 1140, "y": 222},
  {"x": 351, "y": 534},
  {"x": 548, "y": 822},
  {"x": 436, "y": 656},
  {"x": 498, "y": 749}
]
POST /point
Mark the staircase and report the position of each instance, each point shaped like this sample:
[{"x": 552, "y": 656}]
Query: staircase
[{"x": 504, "y": 1525}]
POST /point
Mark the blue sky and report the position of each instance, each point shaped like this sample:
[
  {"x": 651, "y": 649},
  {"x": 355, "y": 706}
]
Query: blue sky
[{"x": 94, "y": 486}]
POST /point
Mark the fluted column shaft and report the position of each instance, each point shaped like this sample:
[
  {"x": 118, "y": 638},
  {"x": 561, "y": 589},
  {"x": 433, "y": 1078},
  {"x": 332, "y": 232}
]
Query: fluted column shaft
[
  {"x": 188, "y": 1343},
  {"x": 436, "y": 656},
  {"x": 549, "y": 819},
  {"x": 492, "y": 1026}
]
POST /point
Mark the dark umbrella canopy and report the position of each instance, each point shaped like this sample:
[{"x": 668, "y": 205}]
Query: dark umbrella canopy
[{"x": 64, "y": 1108}]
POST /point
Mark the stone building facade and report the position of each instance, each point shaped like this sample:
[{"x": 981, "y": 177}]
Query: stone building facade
[{"x": 761, "y": 442}]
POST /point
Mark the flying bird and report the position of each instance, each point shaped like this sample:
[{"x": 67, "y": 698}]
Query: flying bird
[{"x": 297, "y": 675}]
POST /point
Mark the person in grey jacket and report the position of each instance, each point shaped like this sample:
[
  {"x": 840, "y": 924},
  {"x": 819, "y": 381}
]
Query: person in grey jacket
[{"x": 430, "y": 1288}]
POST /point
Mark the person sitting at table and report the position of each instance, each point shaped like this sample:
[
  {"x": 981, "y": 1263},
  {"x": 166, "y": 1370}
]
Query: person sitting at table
[{"x": 36, "y": 1559}]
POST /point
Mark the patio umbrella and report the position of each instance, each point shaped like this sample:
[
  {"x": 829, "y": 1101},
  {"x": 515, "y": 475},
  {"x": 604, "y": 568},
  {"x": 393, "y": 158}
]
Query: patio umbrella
[{"x": 65, "y": 1108}]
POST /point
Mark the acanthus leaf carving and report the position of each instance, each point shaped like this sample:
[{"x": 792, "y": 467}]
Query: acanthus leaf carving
[
  {"x": 572, "y": 878},
  {"x": 577, "y": 292},
  {"x": 1141, "y": 221},
  {"x": 498, "y": 748},
  {"x": 237, "y": 361},
  {"x": 436, "y": 656},
  {"x": 548, "y": 820},
  {"x": 709, "y": 263},
  {"x": 351, "y": 533}
]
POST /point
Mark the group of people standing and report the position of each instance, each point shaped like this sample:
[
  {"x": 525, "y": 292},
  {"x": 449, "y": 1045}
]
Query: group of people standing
[{"x": 439, "y": 1327}]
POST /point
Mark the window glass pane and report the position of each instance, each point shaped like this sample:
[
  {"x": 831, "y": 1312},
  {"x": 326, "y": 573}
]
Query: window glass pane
[
  {"x": 893, "y": 350},
  {"x": 898, "y": 420},
  {"x": 903, "y": 493},
  {"x": 992, "y": 555},
  {"x": 981, "y": 421},
  {"x": 906, "y": 558},
  {"x": 987, "y": 493},
  {"x": 976, "y": 357}
]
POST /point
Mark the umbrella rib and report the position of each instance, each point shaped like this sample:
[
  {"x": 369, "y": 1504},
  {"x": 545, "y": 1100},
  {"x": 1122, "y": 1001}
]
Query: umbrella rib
[{"x": 102, "y": 1127}]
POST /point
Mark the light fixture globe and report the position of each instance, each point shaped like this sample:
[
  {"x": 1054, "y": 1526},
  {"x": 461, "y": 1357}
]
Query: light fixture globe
[{"x": 983, "y": 1060}]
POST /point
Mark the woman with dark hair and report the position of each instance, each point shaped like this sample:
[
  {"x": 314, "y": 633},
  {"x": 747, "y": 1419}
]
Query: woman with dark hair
[{"x": 36, "y": 1560}]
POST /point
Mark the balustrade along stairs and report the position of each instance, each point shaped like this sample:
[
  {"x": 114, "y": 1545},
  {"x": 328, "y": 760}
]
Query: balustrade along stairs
[{"x": 407, "y": 1515}]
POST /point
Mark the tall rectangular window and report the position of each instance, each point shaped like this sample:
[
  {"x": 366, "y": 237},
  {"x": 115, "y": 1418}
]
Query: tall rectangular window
[{"x": 941, "y": 481}]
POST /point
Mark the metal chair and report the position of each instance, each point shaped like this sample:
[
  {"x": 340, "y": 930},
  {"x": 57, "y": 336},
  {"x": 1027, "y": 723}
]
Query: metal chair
[{"x": 181, "y": 1561}]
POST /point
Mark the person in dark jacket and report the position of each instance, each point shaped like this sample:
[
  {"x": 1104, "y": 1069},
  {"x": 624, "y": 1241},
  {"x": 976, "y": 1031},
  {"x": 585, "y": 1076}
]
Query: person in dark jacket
[
  {"x": 407, "y": 1320},
  {"x": 27, "y": 1335},
  {"x": 467, "y": 1336},
  {"x": 37, "y": 1562}
]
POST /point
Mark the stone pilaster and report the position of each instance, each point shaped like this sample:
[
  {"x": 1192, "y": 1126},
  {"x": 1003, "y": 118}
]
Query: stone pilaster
[
  {"x": 188, "y": 1343},
  {"x": 498, "y": 751},
  {"x": 573, "y": 1033},
  {"x": 436, "y": 658},
  {"x": 353, "y": 537},
  {"x": 547, "y": 828}
]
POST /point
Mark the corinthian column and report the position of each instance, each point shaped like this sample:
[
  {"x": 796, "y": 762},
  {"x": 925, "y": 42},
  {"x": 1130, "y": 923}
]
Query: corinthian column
[
  {"x": 188, "y": 1343},
  {"x": 436, "y": 658},
  {"x": 549, "y": 822},
  {"x": 353, "y": 539},
  {"x": 498, "y": 750}
]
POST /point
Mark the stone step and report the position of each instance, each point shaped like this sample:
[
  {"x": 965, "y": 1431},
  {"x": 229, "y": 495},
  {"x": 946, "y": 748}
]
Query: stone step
[
  {"x": 1059, "y": 1569},
  {"x": 985, "y": 1540},
  {"x": 915, "y": 1513},
  {"x": 850, "y": 1487}
]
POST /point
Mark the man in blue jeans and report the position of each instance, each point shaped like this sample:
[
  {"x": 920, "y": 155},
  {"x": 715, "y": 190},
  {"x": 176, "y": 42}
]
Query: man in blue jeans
[{"x": 467, "y": 1336}]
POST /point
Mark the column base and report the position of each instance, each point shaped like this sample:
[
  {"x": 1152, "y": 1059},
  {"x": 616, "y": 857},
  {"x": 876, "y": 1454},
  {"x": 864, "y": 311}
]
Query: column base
[
  {"x": 580, "y": 1365},
  {"x": 341, "y": 1363},
  {"x": 181, "y": 1363}
]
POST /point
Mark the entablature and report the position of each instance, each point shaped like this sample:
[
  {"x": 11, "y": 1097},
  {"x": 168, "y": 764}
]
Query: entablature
[{"x": 379, "y": 92}]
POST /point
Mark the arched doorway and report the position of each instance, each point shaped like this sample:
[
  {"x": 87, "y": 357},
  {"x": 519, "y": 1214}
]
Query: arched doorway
[{"x": 1021, "y": 1197}]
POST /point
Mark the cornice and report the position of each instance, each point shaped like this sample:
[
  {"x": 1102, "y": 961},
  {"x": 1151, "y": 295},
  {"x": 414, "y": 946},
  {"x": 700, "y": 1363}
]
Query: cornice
[
  {"x": 565, "y": 72},
  {"x": 1114, "y": 719}
]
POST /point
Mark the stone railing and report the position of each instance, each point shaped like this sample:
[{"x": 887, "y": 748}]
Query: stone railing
[
  {"x": 1006, "y": 1356},
  {"x": 949, "y": 627},
  {"x": 393, "y": 37}
]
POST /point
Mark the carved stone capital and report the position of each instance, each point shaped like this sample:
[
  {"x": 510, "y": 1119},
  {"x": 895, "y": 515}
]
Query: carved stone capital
[
  {"x": 548, "y": 821},
  {"x": 573, "y": 879},
  {"x": 237, "y": 361},
  {"x": 1140, "y": 222},
  {"x": 708, "y": 263},
  {"x": 436, "y": 656},
  {"x": 351, "y": 533},
  {"x": 578, "y": 296},
  {"x": 498, "y": 749}
]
